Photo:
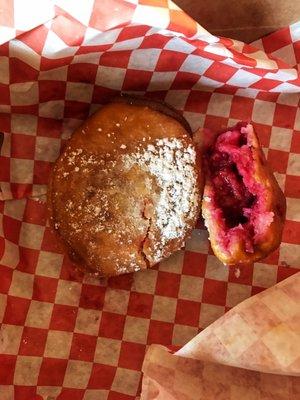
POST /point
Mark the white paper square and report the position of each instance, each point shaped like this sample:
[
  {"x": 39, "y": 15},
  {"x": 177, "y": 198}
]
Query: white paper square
[
  {"x": 263, "y": 112},
  {"x": 196, "y": 120},
  {"x": 215, "y": 269},
  {"x": 243, "y": 78},
  {"x": 24, "y": 94},
  {"x": 116, "y": 301},
  {"x": 49, "y": 264},
  {"x": 236, "y": 293},
  {"x": 177, "y": 44},
  {"x": 112, "y": 78},
  {"x": 295, "y": 31},
  {"x": 126, "y": 381},
  {"x": 183, "y": 334},
  {"x": 88, "y": 321},
  {"x": 77, "y": 91},
  {"x": 80, "y": 11},
  {"x": 283, "y": 74},
  {"x": 286, "y": 87},
  {"x": 58, "y": 344},
  {"x": 23, "y": 52},
  {"x": 11, "y": 256},
  {"x": 173, "y": 263},
  {"x": 47, "y": 149},
  {"x": 52, "y": 109},
  {"x": 286, "y": 351},
  {"x": 248, "y": 92},
  {"x": 207, "y": 84},
  {"x": 7, "y": 33},
  {"x": 90, "y": 58},
  {"x": 32, "y": 13},
  {"x": 27, "y": 370},
  {"x": 107, "y": 351},
  {"x": 15, "y": 208},
  {"x": 130, "y": 44},
  {"x": 289, "y": 254},
  {"x": 21, "y": 285},
  {"x": 164, "y": 309},
  {"x": 290, "y": 99},
  {"x": 148, "y": 15},
  {"x": 21, "y": 171},
  {"x": 195, "y": 64},
  {"x": 293, "y": 167},
  {"x": 68, "y": 293},
  {"x": 191, "y": 288},
  {"x": 31, "y": 235},
  {"x": 94, "y": 37},
  {"x": 209, "y": 314},
  {"x": 55, "y": 47},
  {"x": 144, "y": 59},
  {"x": 25, "y": 124},
  {"x": 235, "y": 335},
  {"x": 55, "y": 74},
  {"x": 77, "y": 374},
  {"x": 145, "y": 281},
  {"x": 94, "y": 394},
  {"x": 281, "y": 139},
  {"x": 161, "y": 80},
  {"x": 219, "y": 105},
  {"x": 293, "y": 209},
  {"x": 136, "y": 329},
  {"x": 10, "y": 340},
  {"x": 177, "y": 98},
  {"x": 264, "y": 275}
]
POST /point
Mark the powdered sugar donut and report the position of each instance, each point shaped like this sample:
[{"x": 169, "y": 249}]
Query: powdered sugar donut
[{"x": 124, "y": 194}]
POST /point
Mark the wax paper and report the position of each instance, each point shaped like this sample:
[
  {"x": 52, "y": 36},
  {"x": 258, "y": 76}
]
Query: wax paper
[{"x": 69, "y": 336}]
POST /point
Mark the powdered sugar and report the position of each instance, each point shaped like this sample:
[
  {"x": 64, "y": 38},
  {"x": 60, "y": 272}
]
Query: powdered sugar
[
  {"x": 172, "y": 163},
  {"x": 237, "y": 272}
]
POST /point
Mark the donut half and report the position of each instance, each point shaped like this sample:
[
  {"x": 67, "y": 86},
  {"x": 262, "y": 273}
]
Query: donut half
[{"x": 243, "y": 206}]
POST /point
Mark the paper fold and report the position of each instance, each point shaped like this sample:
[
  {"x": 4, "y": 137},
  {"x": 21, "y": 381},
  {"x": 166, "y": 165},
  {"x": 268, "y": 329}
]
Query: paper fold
[{"x": 249, "y": 350}]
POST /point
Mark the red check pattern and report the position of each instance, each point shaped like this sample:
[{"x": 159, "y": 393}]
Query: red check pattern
[{"x": 77, "y": 337}]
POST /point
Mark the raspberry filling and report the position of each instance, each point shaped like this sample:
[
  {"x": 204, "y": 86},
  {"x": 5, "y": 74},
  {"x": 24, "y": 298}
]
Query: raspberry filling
[{"x": 238, "y": 200}]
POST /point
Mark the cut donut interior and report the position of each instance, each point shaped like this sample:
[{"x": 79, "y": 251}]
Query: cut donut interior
[{"x": 237, "y": 204}]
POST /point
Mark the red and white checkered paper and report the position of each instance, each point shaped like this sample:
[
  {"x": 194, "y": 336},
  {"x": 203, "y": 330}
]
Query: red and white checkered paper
[
  {"x": 69, "y": 336},
  {"x": 260, "y": 336}
]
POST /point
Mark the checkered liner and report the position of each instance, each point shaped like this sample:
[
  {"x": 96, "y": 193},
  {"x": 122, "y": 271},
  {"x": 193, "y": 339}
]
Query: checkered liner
[
  {"x": 170, "y": 377},
  {"x": 259, "y": 335},
  {"x": 262, "y": 333},
  {"x": 74, "y": 337}
]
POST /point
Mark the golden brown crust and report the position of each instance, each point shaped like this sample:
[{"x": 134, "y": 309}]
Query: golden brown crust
[
  {"x": 109, "y": 189},
  {"x": 274, "y": 201},
  {"x": 155, "y": 105}
]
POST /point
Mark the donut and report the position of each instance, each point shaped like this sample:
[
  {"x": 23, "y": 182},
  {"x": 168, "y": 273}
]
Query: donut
[
  {"x": 243, "y": 206},
  {"x": 124, "y": 193}
]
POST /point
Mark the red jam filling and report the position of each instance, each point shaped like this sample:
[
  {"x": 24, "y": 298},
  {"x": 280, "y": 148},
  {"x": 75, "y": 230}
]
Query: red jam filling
[{"x": 238, "y": 199}]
